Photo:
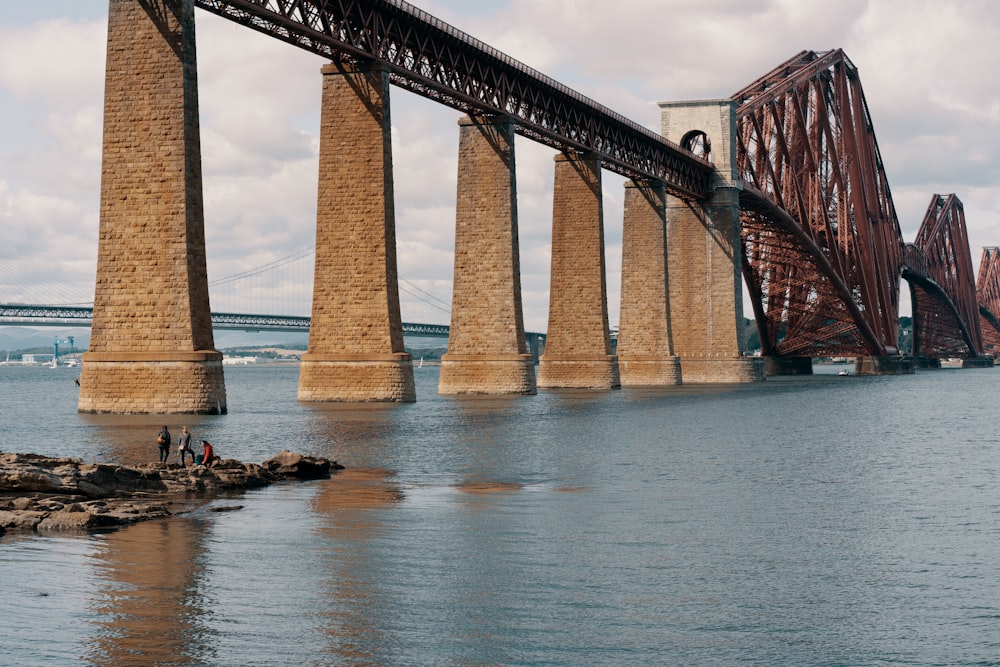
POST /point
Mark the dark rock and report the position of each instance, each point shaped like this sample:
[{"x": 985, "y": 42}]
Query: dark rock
[
  {"x": 21, "y": 504},
  {"x": 58, "y": 494},
  {"x": 99, "y": 480},
  {"x": 291, "y": 464},
  {"x": 69, "y": 521},
  {"x": 232, "y": 474},
  {"x": 21, "y": 519}
]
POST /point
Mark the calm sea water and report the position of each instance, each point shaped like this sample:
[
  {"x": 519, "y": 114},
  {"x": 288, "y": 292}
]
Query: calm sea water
[{"x": 812, "y": 521}]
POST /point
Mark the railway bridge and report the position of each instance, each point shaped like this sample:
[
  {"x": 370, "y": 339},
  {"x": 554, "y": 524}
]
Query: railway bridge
[{"x": 780, "y": 185}]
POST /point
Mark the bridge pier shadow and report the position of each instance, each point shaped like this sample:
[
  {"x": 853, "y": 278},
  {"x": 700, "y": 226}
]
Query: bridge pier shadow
[
  {"x": 883, "y": 365},
  {"x": 788, "y": 366}
]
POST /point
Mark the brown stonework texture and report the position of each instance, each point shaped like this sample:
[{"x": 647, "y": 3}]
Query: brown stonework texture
[
  {"x": 645, "y": 352},
  {"x": 356, "y": 348},
  {"x": 703, "y": 258},
  {"x": 193, "y": 387},
  {"x": 151, "y": 346},
  {"x": 486, "y": 346},
  {"x": 578, "y": 343},
  {"x": 706, "y": 291}
]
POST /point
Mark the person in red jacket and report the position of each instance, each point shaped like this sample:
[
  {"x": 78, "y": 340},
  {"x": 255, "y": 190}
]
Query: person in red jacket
[{"x": 207, "y": 455}]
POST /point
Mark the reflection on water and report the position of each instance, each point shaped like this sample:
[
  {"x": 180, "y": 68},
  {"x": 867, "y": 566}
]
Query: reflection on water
[
  {"x": 350, "y": 506},
  {"x": 807, "y": 521},
  {"x": 356, "y": 489},
  {"x": 149, "y": 610},
  {"x": 489, "y": 487},
  {"x": 361, "y": 433}
]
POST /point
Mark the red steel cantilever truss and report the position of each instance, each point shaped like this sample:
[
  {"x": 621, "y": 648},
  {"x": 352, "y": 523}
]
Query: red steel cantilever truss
[
  {"x": 436, "y": 60},
  {"x": 938, "y": 267},
  {"x": 822, "y": 247},
  {"x": 988, "y": 297}
]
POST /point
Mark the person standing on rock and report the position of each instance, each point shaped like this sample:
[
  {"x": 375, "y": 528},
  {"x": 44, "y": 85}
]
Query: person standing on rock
[
  {"x": 184, "y": 445},
  {"x": 163, "y": 440}
]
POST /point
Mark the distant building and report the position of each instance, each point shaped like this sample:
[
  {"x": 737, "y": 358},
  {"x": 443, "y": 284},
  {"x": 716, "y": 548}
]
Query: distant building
[
  {"x": 36, "y": 359},
  {"x": 238, "y": 361}
]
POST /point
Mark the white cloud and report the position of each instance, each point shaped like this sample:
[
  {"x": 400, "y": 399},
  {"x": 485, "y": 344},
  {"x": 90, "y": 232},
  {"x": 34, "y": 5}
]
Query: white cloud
[
  {"x": 58, "y": 62},
  {"x": 50, "y": 129}
]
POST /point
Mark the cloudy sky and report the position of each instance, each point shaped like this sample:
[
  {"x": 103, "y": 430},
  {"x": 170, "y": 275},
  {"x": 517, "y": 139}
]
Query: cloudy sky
[{"x": 929, "y": 70}]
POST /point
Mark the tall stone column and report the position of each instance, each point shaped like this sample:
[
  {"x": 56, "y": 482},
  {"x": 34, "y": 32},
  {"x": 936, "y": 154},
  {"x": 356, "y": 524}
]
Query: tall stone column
[
  {"x": 578, "y": 344},
  {"x": 645, "y": 349},
  {"x": 703, "y": 253},
  {"x": 151, "y": 345},
  {"x": 487, "y": 353},
  {"x": 356, "y": 348}
]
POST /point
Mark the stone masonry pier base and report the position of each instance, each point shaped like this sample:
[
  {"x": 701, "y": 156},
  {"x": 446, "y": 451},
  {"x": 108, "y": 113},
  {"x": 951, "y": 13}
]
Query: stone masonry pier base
[
  {"x": 892, "y": 364},
  {"x": 487, "y": 374},
  {"x": 170, "y": 383},
  {"x": 578, "y": 372},
  {"x": 788, "y": 365},
  {"x": 356, "y": 378},
  {"x": 657, "y": 371},
  {"x": 699, "y": 370}
]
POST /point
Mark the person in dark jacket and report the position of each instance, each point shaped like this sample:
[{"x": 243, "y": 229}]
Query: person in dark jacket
[{"x": 163, "y": 440}]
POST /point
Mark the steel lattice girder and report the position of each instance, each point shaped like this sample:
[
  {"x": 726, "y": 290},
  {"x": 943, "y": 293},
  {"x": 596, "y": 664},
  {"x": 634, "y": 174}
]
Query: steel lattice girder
[
  {"x": 988, "y": 298},
  {"x": 936, "y": 331},
  {"x": 806, "y": 146},
  {"x": 800, "y": 305},
  {"x": 436, "y": 60},
  {"x": 946, "y": 320}
]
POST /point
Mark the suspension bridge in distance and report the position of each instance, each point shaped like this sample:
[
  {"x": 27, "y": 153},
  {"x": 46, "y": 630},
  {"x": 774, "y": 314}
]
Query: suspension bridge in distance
[
  {"x": 36, "y": 315},
  {"x": 40, "y": 315}
]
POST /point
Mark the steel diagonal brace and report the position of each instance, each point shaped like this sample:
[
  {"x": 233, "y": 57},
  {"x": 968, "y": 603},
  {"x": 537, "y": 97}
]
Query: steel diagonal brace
[{"x": 755, "y": 199}]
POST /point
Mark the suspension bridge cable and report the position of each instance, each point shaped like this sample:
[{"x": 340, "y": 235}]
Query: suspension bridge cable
[
  {"x": 33, "y": 286},
  {"x": 425, "y": 301},
  {"x": 68, "y": 294},
  {"x": 264, "y": 268},
  {"x": 305, "y": 252},
  {"x": 448, "y": 305}
]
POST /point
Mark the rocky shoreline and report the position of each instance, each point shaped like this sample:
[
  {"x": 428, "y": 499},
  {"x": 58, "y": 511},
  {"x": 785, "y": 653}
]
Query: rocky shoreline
[{"x": 49, "y": 494}]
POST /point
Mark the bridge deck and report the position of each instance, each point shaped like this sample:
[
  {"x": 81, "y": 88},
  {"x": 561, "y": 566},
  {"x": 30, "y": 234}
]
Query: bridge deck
[{"x": 436, "y": 60}]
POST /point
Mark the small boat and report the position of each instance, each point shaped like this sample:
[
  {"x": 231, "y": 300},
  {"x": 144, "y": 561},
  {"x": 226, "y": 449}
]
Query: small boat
[{"x": 843, "y": 373}]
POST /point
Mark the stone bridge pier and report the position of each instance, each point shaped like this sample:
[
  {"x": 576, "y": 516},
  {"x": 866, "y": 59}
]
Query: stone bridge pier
[
  {"x": 578, "y": 343},
  {"x": 703, "y": 253},
  {"x": 151, "y": 346},
  {"x": 355, "y": 348},
  {"x": 487, "y": 351},
  {"x": 645, "y": 345}
]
